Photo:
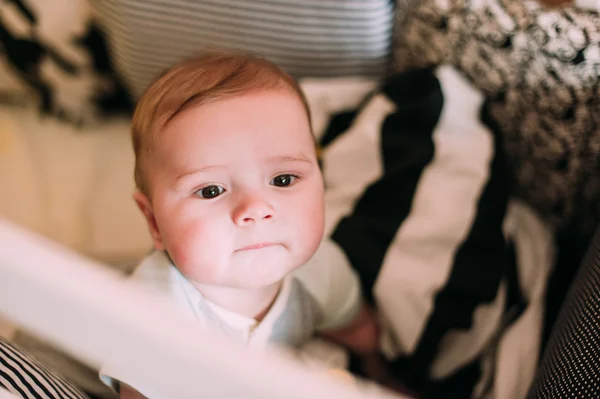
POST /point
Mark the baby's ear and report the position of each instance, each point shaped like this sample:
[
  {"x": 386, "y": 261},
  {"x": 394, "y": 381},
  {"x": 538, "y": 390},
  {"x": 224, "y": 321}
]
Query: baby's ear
[{"x": 145, "y": 206}]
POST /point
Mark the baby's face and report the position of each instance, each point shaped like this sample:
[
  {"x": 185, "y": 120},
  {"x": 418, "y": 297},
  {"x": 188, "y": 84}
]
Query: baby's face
[{"x": 237, "y": 193}]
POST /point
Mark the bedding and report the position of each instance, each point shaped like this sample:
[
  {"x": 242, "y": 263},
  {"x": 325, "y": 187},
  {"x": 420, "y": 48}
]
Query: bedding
[
  {"x": 72, "y": 185},
  {"x": 54, "y": 55},
  {"x": 539, "y": 68},
  {"x": 418, "y": 195}
]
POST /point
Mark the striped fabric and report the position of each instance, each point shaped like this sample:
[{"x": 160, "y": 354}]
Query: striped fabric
[
  {"x": 26, "y": 378},
  {"x": 418, "y": 197},
  {"x": 306, "y": 37}
]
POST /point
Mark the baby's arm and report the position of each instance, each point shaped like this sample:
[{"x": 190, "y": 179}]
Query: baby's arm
[
  {"x": 347, "y": 319},
  {"x": 336, "y": 287},
  {"x": 361, "y": 336}
]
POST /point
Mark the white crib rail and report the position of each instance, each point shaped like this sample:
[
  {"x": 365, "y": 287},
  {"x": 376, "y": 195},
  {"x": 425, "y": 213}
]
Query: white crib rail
[
  {"x": 98, "y": 316},
  {"x": 4, "y": 394}
]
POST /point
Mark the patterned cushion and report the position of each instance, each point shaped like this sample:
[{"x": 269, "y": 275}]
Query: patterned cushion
[
  {"x": 54, "y": 51},
  {"x": 26, "y": 378},
  {"x": 540, "y": 69},
  {"x": 307, "y": 38}
]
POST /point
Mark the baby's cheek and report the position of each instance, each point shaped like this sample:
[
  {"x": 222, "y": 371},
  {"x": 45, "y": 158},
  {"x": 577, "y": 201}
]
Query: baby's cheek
[
  {"x": 196, "y": 263},
  {"x": 315, "y": 212},
  {"x": 189, "y": 247},
  {"x": 203, "y": 273},
  {"x": 312, "y": 221}
]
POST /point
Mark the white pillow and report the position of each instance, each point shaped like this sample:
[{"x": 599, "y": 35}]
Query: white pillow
[
  {"x": 21, "y": 194},
  {"x": 73, "y": 185}
]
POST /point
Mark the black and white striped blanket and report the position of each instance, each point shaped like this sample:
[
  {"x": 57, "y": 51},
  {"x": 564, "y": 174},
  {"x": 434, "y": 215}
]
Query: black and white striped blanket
[{"x": 418, "y": 197}]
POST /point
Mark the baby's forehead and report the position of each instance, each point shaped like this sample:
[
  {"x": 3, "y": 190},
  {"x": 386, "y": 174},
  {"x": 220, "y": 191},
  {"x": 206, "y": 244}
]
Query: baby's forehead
[
  {"x": 265, "y": 104},
  {"x": 270, "y": 124},
  {"x": 296, "y": 127}
]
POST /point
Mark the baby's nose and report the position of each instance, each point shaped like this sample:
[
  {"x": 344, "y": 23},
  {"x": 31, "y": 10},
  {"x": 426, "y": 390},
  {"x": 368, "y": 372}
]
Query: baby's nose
[{"x": 252, "y": 210}]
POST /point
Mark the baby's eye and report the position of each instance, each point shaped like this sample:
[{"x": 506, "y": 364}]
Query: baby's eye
[
  {"x": 283, "y": 180},
  {"x": 209, "y": 192}
]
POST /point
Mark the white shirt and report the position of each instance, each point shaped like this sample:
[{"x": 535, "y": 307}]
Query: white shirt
[{"x": 322, "y": 294}]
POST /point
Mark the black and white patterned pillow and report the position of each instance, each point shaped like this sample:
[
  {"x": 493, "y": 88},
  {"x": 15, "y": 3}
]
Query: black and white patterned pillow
[
  {"x": 540, "y": 68},
  {"x": 56, "y": 52}
]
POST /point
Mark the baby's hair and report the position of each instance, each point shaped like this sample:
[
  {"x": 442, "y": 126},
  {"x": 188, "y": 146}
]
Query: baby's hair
[{"x": 212, "y": 76}]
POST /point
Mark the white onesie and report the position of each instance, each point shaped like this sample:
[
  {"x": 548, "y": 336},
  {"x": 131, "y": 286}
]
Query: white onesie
[{"x": 322, "y": 294}]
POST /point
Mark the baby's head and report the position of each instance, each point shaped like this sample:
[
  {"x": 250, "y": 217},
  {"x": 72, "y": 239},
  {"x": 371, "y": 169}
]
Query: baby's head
[{"x": 226, "y": 170}]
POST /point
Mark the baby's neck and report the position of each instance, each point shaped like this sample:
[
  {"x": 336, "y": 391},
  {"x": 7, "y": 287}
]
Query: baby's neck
[{"x": 254, "y": 303}]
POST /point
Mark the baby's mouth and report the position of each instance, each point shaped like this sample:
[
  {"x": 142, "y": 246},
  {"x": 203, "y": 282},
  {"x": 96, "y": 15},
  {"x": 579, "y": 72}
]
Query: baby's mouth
[{"x": 257, "y": 246}]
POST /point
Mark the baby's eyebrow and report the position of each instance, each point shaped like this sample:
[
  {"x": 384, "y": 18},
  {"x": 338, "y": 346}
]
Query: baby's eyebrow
[
  {"x": 275, "y": 159},
  {"x": 191, "y": 172},
  {"x": 288, "y": 158}
]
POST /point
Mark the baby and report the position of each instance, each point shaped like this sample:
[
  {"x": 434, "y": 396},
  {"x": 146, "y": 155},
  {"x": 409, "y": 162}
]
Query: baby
[{"x": 230, "y": 187}]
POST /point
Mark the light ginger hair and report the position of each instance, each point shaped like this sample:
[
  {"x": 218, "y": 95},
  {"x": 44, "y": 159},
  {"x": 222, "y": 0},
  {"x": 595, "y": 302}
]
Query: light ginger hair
[{"x": 214, "y": 75}]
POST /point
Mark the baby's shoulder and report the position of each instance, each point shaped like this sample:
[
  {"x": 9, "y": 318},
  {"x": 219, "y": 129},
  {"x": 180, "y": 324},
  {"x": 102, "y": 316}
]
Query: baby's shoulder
[
  {"x": 329, "y": 278},
  {"x": 158, "y": 273},
  {"x": 327, "y": 263},
  {"x": 155, "y": 269}
]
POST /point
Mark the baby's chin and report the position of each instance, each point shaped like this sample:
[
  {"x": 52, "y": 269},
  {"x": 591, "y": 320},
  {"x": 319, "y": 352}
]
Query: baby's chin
[
  {"x": 263, "y": 272},
  {"x": 247, "y": 269}
]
